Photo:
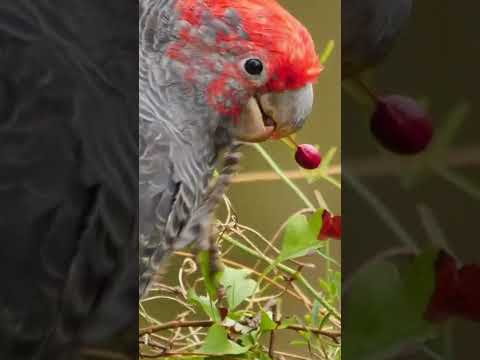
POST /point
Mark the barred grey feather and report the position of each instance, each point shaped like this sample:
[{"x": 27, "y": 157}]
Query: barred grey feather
[
  {"x": 180, "y": 138},
  {"x": 68, "y": 178}
]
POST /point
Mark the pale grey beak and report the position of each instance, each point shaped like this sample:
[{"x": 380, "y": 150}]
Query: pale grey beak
[
  {"x": 288, "y": 109},
  {"x": 274, "y": 115}
]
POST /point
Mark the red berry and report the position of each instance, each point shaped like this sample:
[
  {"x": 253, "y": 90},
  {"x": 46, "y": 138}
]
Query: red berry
[
  {"x": 308, "y": 157},
  {"x": 331, "y": 226},
  {"x": 468, "y": 294},
  {"x": 223, "y": 312},
  {"x": 401, "y": 125},
  {"x": 441, "y": 305},
  {"x": 457, "y": 291}
]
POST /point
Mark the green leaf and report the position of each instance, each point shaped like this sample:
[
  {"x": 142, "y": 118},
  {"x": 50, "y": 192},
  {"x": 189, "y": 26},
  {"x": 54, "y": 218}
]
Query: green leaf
[
  {"x": 419, "y": 280},
  {"x": 238, "y": 315},
  {"x": 384, "y": 312},
  {"x": 331, "y": 286},
  {"x": 315, "y": 222},
  {"x": 250, "y": 339},
  {"x": 207, "y": 305},
  {"x": 266, "y": 322},
  {"x": 301, "y": 236},
  {"x": 237, "y": 285},
  {"x": 217, "y": 343},
  {"x": 263, "y": 356}
]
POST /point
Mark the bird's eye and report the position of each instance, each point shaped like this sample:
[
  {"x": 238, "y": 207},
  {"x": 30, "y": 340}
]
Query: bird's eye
[{"x": 253, "y": 66}]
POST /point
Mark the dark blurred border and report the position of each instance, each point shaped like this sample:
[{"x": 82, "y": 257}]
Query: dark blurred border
[
  {"x": 68, "y": 179},
  {"x": 390, "y": 202}
]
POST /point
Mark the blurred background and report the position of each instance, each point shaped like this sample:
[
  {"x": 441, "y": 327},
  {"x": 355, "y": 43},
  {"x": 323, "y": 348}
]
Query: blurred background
[{"x": 435, "y": 62}]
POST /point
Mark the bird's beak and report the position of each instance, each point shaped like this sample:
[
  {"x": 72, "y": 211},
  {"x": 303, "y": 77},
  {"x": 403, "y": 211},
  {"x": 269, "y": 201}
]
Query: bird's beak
[{"x": 274, "y": 115}]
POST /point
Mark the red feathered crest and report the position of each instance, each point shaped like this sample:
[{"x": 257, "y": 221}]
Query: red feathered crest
[{"x": 268, "y": 28}]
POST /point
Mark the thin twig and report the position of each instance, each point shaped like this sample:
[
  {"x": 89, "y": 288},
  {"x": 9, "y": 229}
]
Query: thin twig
[
  {"x": 291, "y": 356},
  {"x": 271, "y": 345},
  {"x": 254, "y": 176},
  {"x": 208, "y": 323},
  {"x": 376, "y": 166}
]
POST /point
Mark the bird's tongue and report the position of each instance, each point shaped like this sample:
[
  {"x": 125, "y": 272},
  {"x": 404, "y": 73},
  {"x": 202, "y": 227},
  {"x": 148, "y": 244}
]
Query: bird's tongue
[
  {"x": 268, "y": 121},
  {"x": 276, "y": 136}
]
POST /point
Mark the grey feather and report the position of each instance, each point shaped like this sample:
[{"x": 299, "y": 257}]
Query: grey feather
[{"x": 180, "y": 138}]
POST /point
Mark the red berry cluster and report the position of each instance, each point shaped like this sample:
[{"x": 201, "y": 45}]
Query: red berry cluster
[{"x": 457, "y": 290}]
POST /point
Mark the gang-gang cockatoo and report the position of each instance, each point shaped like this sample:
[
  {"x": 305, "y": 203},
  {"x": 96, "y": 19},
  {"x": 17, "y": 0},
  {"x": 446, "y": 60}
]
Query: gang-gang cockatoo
[{"x": 212, "y": 72}]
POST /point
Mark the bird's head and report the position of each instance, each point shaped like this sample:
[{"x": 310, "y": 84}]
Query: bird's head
[{"x": 254, "y": 61}]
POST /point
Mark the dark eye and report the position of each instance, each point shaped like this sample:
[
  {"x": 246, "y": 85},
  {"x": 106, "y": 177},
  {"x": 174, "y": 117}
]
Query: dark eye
[{"x": 253, "y": 66}]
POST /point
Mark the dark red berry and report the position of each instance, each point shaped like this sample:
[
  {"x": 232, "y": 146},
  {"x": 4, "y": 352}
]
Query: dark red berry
[
  {"x": 457, "y": 291},
  {"x": 401, "y": 125},
  {"x": 223, "y": 312},
  {"x": 308, "y": 157},
  {"x": 468, "y": 294},
  {"x": 442, "y": 301},
  {"x": 331, "y": 226}
]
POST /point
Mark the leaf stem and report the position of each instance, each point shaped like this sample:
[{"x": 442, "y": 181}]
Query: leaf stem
[
  {"x": 381, "y": 210},
  {"x": 459, "y": 181},
  {"x": 284, "y": 177}
]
